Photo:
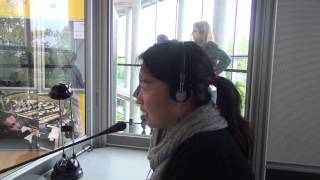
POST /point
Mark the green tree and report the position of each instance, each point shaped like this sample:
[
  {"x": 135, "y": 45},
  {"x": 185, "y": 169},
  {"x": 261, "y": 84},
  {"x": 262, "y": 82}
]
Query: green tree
[
  {"x": 121, "y": 74},
  {"x": 12, "y": 31}
]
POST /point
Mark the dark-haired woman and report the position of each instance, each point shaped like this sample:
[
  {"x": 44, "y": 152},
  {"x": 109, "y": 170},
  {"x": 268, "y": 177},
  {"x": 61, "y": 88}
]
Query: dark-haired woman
[{"x": 193, "y": 138}]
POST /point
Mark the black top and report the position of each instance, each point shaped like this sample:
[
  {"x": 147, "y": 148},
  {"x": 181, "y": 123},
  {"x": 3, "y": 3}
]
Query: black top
[{"x": 209, "y": 156}]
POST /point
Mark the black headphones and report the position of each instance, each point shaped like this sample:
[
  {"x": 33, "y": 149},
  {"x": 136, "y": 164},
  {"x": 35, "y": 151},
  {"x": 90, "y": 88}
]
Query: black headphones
[{"x": 181, "y": 93}]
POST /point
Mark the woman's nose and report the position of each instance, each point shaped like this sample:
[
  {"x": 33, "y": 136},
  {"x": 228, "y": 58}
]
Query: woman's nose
[{"x": 139, "y": 98}]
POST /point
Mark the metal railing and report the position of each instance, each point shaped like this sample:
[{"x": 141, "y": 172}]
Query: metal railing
[{"x": 227, "y": 70}]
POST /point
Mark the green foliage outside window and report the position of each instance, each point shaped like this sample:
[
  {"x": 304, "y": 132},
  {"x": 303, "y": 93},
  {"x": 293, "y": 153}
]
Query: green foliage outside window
[
  {"x": 121, "y": 72},
  {"x": 12, "y": 31},
  {"x": 241, "y": 86},
  {"x": 120, "y": 116},
  {"x": 238, "y": 63}
]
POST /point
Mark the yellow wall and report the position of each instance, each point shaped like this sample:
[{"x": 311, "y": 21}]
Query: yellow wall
[
  {"x": 16, "y": 8},
  {"x": 21, "y": 8},
  {"x": 83, "y": 111},
  {"x": 76, "y": 9}
]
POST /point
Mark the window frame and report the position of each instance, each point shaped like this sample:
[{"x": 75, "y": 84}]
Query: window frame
[{"x": 115, "y": 139}]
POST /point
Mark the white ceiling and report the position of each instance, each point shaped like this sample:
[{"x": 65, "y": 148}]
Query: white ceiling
[{"x": 122, "y": 6}]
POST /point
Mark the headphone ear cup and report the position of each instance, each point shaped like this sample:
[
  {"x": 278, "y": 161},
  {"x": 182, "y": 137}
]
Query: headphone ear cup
[{"x": 181, "y": 96}]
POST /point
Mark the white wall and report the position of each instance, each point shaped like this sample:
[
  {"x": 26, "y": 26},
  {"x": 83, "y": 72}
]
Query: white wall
[{"x": 294, "y": 119}]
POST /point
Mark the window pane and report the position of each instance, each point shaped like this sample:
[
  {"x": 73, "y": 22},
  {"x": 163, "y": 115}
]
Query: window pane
[
  {"x": 121, "y": 38},
  {"x": 123, "y": 75},
  {"x": 16, "y": 66},
  {"x": 243, "y": 28},
  {"x": 64, "y": 60},
  {"x": 147, "y": 27},
  {"x": 192, "y": 13},
  {"x": 229, "y": 21},
  {"x": 240, "y": 62},
  {"x": 226, "y": 36},
  {"x": 122, "y": 110},
  {"x": 166, "y": 18},
  {"x": 41, "y": 44},
  {"x": 208, "y": 10}
]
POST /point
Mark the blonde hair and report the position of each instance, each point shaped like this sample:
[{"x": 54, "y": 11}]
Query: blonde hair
[{"x": 205, "y": 32}]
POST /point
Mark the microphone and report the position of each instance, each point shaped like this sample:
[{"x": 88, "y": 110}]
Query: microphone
[{"x": 120, "y": 126}]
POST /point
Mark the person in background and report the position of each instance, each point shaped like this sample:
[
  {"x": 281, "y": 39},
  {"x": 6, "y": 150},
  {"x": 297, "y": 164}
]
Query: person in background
[
  {"x": 11, "y": 127},
  {"x": 162, "y": 38},
  {"x": 11, "y": 135},
  {"x": 202, "y": 36},
  {"x": 193, "y": 138}
]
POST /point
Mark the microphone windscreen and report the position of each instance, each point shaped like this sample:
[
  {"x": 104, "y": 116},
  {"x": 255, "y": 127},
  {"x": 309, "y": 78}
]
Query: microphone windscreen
[{"x": 119, "y": 126}]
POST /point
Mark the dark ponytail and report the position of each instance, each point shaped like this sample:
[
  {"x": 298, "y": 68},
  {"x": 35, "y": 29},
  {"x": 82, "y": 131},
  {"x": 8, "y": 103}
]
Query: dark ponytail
[{"x": 229, "y": 104}]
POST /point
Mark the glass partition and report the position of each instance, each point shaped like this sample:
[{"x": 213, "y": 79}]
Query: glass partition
[
  {"x": 41, "y": 45},
  {"x": 140, "y": 22}
]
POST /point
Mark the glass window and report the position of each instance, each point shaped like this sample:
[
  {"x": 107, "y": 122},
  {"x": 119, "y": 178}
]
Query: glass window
[
  {"x": 191, "y": 12},
  {"x": 147, "y": 15},
  {"x": 41, "y": 45},
  {"x": 15, "y": 57},
  {"x": 166, "y": 14},
  {"x": 139, "y": 24}
]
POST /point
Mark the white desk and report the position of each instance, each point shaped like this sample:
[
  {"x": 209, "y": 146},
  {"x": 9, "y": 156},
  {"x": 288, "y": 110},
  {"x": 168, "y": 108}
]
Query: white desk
[{"x": 113, "y": 163}]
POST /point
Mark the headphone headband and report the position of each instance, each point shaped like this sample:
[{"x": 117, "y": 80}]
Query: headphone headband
[{"x": 181, "y": 94}]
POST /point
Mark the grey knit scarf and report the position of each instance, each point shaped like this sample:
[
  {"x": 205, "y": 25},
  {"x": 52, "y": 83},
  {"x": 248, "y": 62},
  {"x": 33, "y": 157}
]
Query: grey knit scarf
[{"x": 164, "y": 142}]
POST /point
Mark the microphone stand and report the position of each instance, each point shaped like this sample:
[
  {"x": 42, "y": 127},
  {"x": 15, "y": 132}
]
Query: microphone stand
[{"x": 65, "y": 168}]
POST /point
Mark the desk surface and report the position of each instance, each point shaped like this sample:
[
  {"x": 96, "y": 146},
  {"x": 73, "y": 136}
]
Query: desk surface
[
  {"x": 112, "y": 163},
  {"x": 12, "y": 157}
]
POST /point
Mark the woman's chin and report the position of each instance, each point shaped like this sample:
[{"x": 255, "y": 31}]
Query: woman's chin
[{"x": 151, "y": 124}]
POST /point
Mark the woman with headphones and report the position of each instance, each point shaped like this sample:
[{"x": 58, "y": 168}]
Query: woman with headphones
[{"x": 193, "y": 138}]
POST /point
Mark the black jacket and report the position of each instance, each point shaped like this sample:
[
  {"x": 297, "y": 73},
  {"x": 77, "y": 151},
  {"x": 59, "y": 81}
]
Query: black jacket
[{"x": 209, "y": 156}]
